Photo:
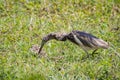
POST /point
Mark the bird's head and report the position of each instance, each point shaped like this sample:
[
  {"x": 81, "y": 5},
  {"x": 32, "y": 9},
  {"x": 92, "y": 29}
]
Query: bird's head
[{"x": 46, "y": 39}]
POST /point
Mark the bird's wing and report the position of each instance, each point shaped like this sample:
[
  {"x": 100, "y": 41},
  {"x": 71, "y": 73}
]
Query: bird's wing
[
  {"x": 91, "y": 41},
  {"x": 86, "y": 39}
]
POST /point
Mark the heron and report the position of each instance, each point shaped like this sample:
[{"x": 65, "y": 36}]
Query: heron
[{"x": 85, "y": 40}]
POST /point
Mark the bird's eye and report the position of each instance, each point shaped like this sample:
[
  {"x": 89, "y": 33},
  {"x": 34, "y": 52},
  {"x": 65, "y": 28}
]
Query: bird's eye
[{"x": 45, "y": 39}]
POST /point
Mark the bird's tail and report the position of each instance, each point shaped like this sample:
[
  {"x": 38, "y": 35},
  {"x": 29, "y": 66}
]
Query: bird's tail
[{"x": 103, "y": 44}]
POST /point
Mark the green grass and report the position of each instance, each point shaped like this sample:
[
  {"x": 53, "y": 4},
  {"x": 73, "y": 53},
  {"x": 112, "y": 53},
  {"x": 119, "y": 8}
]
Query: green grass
[{"x": 23, "y": 23}]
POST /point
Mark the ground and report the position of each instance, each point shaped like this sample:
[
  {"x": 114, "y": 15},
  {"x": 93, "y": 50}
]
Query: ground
[{"x": 23, "y": 23}]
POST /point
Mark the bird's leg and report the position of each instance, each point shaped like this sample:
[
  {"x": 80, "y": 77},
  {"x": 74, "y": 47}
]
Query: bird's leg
[
  {"x": 94, "y": 52},
  {"x": 87, "y": 54}
]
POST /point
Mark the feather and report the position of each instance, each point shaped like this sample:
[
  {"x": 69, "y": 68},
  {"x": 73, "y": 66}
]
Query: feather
[{"x": 84, "y": 40}]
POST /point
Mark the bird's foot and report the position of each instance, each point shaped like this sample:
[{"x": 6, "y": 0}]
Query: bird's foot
[{"x": 94, "y": 52}]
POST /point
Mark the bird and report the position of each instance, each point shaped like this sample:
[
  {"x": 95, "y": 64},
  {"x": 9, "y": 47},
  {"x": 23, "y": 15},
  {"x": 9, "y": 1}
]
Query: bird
[{"x": 84, "y": 40}]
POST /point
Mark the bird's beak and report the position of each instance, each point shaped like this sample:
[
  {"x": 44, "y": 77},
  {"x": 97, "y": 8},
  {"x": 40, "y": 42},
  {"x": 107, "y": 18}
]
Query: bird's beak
[
  {"x": 42, "y": 44},
  {"x": 45, "y": 39}
]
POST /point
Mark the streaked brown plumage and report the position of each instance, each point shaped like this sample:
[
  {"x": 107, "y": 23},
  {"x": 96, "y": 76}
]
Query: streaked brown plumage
[{"x": 85, "y": 40}]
